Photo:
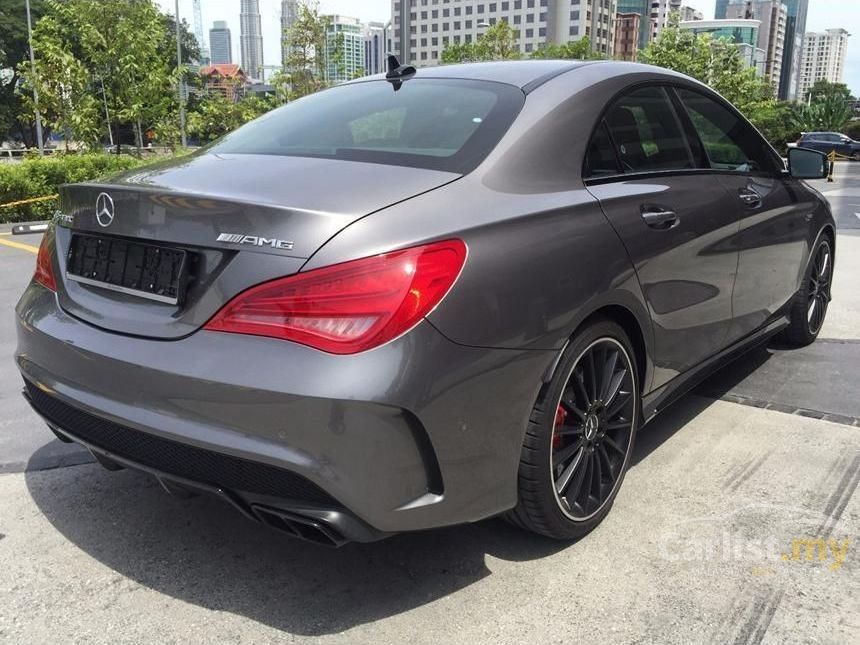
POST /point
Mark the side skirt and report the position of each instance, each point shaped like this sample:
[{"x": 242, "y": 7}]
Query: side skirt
[{"x": 656, "y": 401}]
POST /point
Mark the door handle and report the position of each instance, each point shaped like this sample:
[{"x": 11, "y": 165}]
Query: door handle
[
  {"x": 749, "y": 197},
  {"x": 660, "y": 218}
]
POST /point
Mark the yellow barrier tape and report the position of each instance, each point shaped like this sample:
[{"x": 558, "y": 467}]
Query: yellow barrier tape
[
  {"x": 29, "y": 201},
  {"x": 833, "y": 156},
  {"x": 18, "y": 245}
]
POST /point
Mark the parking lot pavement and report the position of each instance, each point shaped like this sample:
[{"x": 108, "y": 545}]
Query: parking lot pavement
[
  {"x": 738, "y": 523},
  {"x": 21, "y": 432},
  {"x": 707, "y": 543}
]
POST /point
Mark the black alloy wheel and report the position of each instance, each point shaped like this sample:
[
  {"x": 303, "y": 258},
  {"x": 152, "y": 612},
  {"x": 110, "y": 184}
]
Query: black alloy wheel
[
  {"x": 809, "y": 307},
  {"x": 593, "y": 428},
  {"x": 818, "y": 292},
  {"x": 579, "y": 440}
]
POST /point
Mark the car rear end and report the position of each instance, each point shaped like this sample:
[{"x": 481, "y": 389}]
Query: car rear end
[{"x": 170, "y": 327}]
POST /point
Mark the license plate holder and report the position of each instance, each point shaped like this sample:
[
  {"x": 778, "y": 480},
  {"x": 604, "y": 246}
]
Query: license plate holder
[{"x": 136, "y": 268}]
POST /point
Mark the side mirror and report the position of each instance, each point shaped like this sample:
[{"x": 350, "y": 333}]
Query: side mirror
[{"x": 804, "y": 163}]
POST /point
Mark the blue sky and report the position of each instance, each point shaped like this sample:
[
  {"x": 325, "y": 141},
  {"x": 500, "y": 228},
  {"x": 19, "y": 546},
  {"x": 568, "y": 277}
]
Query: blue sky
[{"x": 823, "y": 14}]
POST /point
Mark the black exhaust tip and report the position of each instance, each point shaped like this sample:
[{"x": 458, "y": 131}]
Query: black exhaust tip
[{"x": 310, "y": 530}]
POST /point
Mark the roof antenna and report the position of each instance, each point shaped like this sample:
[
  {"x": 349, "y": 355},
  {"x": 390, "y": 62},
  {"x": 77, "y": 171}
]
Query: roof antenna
[{"x": 398, "y": 73}]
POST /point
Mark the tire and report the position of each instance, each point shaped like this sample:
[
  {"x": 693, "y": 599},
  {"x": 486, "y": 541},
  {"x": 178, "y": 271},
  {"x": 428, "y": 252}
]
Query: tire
[
  {"x": 855, "y": 156},
  {"x": 580, "y": 430},
  {"x": 807, "y": 319}
]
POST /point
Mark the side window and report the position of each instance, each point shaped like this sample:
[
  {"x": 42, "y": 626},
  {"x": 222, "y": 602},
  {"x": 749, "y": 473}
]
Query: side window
[
  {"x": 730, "y": 143},
  {"x": 600, "y": 159},
  {"x": 646, "y": 132}
]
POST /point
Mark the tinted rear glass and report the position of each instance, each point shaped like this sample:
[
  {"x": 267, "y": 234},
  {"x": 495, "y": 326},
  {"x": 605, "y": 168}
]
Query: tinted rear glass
[{"x": 441, "y": 124}]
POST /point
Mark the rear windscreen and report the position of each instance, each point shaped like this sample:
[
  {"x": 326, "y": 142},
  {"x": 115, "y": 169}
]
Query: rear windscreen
[{"x": 441, "y": 124}]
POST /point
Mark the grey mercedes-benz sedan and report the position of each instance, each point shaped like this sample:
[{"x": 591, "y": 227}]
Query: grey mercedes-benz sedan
[{"x": 423, "y": 298}]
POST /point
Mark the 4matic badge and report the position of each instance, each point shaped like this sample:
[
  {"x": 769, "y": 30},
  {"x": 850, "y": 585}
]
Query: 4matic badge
[{"x": 254, "y": 240}]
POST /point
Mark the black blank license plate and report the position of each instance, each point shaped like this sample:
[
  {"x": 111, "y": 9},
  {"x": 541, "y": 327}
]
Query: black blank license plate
[{"x": 145, "y": 270}]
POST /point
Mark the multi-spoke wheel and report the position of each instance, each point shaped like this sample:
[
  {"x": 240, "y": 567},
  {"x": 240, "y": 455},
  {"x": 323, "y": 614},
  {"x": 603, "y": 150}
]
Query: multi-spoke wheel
[
  {"x": 810, "y": 305},
  {"x": 580, "y": 436},
  {"x": 818, "y": 291}
]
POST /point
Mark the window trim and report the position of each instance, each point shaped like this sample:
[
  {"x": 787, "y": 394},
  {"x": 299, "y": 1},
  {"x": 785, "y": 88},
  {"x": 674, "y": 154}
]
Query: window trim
[
  {"x": 736, "y": 113},
  {"x": 669, "y": 86},
  {"x": 630, "y": 89}
]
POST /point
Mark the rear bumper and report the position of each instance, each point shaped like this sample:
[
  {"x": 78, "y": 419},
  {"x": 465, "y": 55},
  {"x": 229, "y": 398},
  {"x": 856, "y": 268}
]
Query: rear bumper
[{"x": 419, "y": 433}]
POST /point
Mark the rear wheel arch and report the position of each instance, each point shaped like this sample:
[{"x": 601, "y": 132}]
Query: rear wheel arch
[{"x": 632, "y": 326}]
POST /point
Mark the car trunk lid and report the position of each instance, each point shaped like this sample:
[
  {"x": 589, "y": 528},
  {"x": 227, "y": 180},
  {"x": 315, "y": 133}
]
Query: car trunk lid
[{"x": 237, "y": 220}]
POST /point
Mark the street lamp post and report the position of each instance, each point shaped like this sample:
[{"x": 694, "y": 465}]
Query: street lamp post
[
  {"x": 179, "y": 69},
  {"x": 35, "y": 90}
]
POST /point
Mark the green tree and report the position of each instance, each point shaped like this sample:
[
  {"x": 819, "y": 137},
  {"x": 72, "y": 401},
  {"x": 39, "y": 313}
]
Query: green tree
[
  {"x": 717, "y": 63},
  {"x": 215, "y": 115},
  {"x": 498, "y": 42},
  {"x": 305, "y": 60},
  {"x": 830, "y": 113},
  {"x": 62, "y": 84},
  {"x": 824, "y": 89},
  {"x": 574, "y": 49},
  {"x": 127, "y": 50},
  {"x": 14, "y": 50}
]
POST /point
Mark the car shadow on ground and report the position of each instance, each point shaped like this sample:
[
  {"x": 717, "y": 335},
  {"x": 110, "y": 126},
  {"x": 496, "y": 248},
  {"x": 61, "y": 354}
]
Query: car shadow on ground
[{"x": 202, "y": 552}]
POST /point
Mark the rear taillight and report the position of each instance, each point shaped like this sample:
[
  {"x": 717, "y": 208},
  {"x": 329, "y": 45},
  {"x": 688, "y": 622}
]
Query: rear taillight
[
  {"x": 350, "y": 307},
  {"x": 44, "y": 274}
]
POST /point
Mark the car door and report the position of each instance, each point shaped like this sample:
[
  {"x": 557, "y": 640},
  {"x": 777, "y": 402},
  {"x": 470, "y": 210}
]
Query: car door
[
  {"x": 844, "y": 147},
  {"x": 771, "y": 241},
  {"x": 816, "y": 141},
  {"x": 675, "y": 220}
]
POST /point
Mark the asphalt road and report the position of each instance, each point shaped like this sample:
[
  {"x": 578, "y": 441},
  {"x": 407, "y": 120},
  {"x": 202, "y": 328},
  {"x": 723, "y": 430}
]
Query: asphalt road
[{"x": 702, "y": 545}]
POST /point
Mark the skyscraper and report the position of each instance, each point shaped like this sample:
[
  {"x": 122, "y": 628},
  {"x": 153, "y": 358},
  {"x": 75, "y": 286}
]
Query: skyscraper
[
  {"x": 795, "y": 27},
  {"x": 376, "y": 36},
  {"x": 422, "y": 30},
  {"x": 289, "y": 15},
  {"x": 771, "y": 34},
  {"x": 199, "y": 35},
  {"x": 344, "y": 48},
  {"x": 251, "y": 38},
  {"x": 220, "y": 45},
  {"x": 721, "y": 9},
  {"x": 643, "y": 8},
  {"x": 823, "y": 58},
  {"x": 661, "y": 10}
]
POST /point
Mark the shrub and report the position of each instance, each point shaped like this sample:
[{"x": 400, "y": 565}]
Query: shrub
[
  {"x": 853, "y": 130},
  {"x": 42, "y": 176}
]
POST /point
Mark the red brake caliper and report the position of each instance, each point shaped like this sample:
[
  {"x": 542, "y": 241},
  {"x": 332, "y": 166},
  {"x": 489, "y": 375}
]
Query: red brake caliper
[{"x": 560, "y": 418}]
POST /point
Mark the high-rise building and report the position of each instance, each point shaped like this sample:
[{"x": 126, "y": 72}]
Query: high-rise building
[
  {"x": 627, "y": 35},
  {"x": 823, "y": 58},
  {"x": 721, "y": 10},
  {"x": 221, "y": 48},
  {"x": 642, "y": 8},
  {"x": 199, "y": 34},
  {"x": 251, "y": 38},
  {"x": 662, "y": 10},
  {"x": 344, "y": 48},
  {"x": 376, "y": 46},
  {"x": 421, "y": 30},
  {"x": 688, "y": 13},
  {"x": 743, "y": 33},
  {"x": 795, "y": 27},
  {"x": 289, "y": 15},
  {"x": 771, "y": 34}
]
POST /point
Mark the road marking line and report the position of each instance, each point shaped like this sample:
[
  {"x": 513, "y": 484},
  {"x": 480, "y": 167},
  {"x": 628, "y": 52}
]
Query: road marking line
[{"x": 18, "y": 245}]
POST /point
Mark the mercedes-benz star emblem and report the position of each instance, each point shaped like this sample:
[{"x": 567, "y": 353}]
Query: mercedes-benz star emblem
[{"x": 104, "y": 209}]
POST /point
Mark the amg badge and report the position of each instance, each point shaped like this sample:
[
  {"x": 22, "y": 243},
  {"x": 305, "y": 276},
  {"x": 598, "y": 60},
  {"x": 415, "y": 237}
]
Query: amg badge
[{"x": 238, "y": 238}]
